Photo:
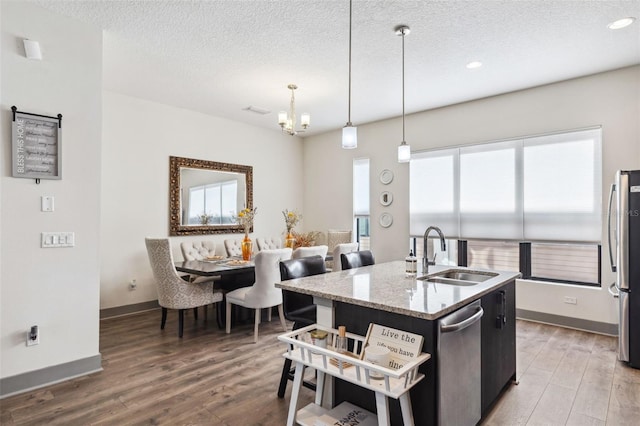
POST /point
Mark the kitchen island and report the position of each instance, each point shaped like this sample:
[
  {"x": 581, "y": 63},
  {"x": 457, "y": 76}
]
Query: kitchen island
[{"x": 382, "y": 294}]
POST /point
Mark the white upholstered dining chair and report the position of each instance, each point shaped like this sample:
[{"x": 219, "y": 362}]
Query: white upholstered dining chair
[
  {"x": 310, "y": 251},
  {"x": 263, "y": 293},
  {"x": 342, "y": 248},
  {"x": 271, "y": 243},
  {"x": 233, "y": 248},
  {"x": 197, "y": 250},
  {"x": 173, "y": 291}
]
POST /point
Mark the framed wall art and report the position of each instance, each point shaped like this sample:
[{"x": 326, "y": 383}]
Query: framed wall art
[{"x": 35, "y": 145}]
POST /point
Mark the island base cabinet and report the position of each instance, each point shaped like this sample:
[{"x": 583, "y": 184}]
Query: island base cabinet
[
  {"x": 357, "y": 319},
  {"x": 498, "y": 342},
  {"x": 498, "y": 354}
]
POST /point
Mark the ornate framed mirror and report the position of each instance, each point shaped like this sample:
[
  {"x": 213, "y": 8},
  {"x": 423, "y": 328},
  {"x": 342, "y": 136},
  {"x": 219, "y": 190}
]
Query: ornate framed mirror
[{"x": 206, "y": 196}]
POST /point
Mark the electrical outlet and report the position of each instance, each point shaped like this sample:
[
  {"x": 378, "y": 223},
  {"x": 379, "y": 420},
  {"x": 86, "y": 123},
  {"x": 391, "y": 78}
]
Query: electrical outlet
[
  {"x": 571, "y": 300},
  {"x": 33, "y": 336},
  {"x": 133, "y": 284}
]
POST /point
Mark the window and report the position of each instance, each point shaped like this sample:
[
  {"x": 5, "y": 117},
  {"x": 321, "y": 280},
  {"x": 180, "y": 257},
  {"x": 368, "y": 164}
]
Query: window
[
  {"x": 490, "y": 205},
  {"x": 571, "y": 263},
  {"x": 537, "y": 189},
  {"x": 361, "y": 202},
  {"x": 433, "y": 191},
  {"x": 500, "y": 255},
  {"x": 565, "y": 262},
  {"x": 213, "y": 204},
  {"x": 563, "y": 187}
]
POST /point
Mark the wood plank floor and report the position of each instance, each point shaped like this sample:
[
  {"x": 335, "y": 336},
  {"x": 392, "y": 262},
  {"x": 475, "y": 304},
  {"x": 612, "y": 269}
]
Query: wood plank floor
[{"x": 151, "y": 377}]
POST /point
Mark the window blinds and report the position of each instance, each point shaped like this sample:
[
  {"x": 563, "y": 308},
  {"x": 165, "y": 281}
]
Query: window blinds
[{"x": 537, "y": 188}]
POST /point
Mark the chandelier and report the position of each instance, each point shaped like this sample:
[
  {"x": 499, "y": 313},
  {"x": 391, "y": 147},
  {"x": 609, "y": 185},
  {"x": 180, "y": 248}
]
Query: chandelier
[{"x": 288, "y": 122}]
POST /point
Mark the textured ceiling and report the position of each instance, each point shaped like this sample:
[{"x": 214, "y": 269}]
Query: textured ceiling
[{"x": 218, "y": 57}]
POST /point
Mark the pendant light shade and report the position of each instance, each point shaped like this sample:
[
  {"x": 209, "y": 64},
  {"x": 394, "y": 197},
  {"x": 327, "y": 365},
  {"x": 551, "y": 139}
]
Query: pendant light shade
[
  {"x": 349, "y": 132},
  {"x": 404, "y": 150},
  {"x": 404, "y": 153},
  {"x": 349, "y": 136}
]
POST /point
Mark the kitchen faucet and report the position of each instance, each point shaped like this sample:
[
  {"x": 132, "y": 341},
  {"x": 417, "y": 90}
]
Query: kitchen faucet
[{"x": 443, "y": 245}]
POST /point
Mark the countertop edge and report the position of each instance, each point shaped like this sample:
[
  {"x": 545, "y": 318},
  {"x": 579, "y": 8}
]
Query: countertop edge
[{"x": 483, "y": 289}]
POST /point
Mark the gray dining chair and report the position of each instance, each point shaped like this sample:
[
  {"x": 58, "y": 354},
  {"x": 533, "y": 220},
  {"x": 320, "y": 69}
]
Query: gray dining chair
[
  {"x": 337, "y": 236},
  {"x": 173, "y": 291}
]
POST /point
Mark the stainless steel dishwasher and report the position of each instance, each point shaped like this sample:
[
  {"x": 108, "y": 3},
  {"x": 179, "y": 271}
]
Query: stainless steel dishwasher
[{"x": 458, "y": 347}]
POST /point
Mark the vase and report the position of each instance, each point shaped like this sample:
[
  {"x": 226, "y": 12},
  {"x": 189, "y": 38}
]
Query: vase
[
  {"x": 247, "y": 247},
  {"x": 289, "y": 240}
]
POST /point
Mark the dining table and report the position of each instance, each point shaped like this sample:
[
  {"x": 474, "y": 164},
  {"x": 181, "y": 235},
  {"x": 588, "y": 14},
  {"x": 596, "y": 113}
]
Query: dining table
[
  {"x": 211, "y": 268},
  {"x": 233, "y": 273}
]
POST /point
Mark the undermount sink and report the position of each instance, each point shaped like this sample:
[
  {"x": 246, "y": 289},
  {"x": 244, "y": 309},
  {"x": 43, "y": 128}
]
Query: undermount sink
[
  {"x": 449, "y": 281},
  {"x": 462, "y": 275},
  {"x": 459, "y": 277}
]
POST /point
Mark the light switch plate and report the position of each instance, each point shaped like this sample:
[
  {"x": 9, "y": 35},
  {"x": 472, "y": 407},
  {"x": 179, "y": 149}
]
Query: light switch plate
[
  {"x": 57, "y": 239},
  {"x": 47, "y": 203}
]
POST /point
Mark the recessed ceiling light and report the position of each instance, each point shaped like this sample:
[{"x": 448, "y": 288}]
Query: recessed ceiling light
[
  {"x": 474, "y": 64},
  {"x": 621, "y": 23},
  {"x": 257, "y": 110}
]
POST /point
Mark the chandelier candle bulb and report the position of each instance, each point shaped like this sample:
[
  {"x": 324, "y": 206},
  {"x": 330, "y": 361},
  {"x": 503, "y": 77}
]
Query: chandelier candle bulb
[
  {"x": 282, "y": 117},
  {"x": 305, "y": 120}
]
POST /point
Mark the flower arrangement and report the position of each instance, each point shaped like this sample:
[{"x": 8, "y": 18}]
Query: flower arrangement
[
  {"x": 245, "y": 218},
  {"x": 291, "y": 219},
  {"x": 305, "y": 239}
]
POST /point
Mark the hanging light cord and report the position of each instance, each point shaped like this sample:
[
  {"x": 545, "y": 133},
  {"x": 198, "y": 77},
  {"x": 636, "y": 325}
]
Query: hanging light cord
[
  {"x": 292, "y": 108},
  {"x": 403, "y": 139},
  {"x": 349, "y": 113}
]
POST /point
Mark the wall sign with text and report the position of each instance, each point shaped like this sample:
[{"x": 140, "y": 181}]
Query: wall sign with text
[{"x": 35, "y": 147}]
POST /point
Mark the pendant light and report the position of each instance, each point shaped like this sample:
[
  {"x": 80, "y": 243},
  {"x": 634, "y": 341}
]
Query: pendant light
[
  {"x": 404, "y": 150},
  {"x": 349, "y": 132}
]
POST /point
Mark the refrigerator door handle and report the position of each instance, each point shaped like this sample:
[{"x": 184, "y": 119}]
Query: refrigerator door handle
[
  {"x": 615, "y": 293},
  {"x": 613, "y": 265}
]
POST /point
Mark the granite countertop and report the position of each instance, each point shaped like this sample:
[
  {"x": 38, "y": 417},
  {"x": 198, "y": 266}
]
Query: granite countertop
[{"x": 384, "y": 286}]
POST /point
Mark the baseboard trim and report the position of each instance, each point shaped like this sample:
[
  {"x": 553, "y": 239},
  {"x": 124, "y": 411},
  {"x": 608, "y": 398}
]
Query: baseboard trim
[
  {"x": 577, "y": 323},
  {"x": 30, "y": 380},
  {"x": 128, "y": 309}
]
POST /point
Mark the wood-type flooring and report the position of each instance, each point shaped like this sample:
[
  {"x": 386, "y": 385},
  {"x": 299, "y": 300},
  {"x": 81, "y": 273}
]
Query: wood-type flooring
[{"x": 151, "y": 377}]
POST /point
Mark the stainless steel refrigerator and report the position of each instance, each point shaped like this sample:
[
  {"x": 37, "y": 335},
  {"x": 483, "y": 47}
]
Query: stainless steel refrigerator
[{"x": 624, "y": 253}]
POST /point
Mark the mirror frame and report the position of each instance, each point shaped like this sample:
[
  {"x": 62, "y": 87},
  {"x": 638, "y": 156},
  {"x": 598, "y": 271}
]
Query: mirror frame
[{"x": 175, "y": 227}]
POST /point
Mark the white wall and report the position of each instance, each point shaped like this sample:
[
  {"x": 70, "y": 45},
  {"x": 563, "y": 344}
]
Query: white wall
[
  {"x": 139, "y": 136},
  {"x": 610, "y": 99},
  {"x": 56, "y": 289}
]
